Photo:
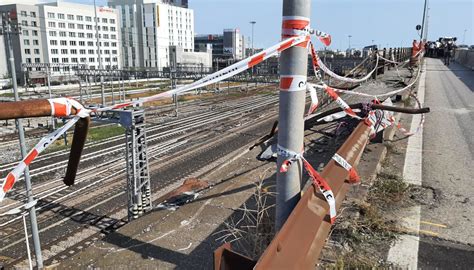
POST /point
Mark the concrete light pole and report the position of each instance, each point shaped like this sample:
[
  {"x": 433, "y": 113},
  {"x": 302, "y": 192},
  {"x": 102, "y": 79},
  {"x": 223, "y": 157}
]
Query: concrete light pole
[
  {"x": 252, "y": 52},
  {"x": 21, "y": 134},
  {"x": 423, "y": 22},
  {"x": 99, "y": 54},
  {"x": 293, "y": 64}
]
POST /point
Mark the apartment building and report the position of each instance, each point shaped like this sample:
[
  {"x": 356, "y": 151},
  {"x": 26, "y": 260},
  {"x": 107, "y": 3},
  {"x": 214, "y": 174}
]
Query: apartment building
[
  {"x": 27, "y": 45},
  {"x": 150, "y": 27},
  {"x": 70, "y": 35}
]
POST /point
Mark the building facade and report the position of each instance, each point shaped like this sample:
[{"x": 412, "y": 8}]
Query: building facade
[
  {"x": 70, "y": 36},
  {"x": 231, "y": 44},
  {"x": 27, "y": 44},
  {"x": 150, "y": 27},
  {"x": 64, "y": 33}
]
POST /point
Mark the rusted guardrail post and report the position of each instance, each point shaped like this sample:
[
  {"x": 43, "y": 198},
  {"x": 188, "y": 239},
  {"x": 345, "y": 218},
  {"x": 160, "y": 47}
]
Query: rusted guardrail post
[{"x": 293, "y": 72}]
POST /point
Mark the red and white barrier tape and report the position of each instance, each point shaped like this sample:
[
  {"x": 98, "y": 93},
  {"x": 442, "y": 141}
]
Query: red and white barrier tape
[
  {"x": 15, "y": 174},
  {"x": 323, "y": 37},
  {"x": 62, "y": 107},
  {"x": 353, "y": 175},
  {"x": 314, "y": 99},
  {"x": 339, "y": 101},
  {"x": 317, "y": 179},
  {"x": 314, "y": 54}
]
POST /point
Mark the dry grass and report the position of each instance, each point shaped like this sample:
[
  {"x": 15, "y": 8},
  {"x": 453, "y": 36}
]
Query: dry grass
[{"x": 251, "y": 229}]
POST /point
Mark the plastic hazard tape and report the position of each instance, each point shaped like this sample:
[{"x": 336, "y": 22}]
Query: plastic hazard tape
[
  {"x": 323, "y": 37},
  {"x": 317, "y": 179},
  {"x": 379, "y": 120},
  {"x": 341, "y": 78},
  {"x": 353, "y": 175},
  {"x": 15, "y": 174},
  {"x": 292, "y": 83},
  {"x": 314, "y": 99},
  {"x": 62, "y": 107},
  {"x": 339, "y": 101},
  {"x": 296, "y": 26}
]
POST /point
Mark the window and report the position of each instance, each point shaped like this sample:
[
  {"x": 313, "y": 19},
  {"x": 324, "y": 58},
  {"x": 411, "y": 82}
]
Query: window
[
  {"x": 79, "y": 18},
  {"x": 33, "y": 23},
  {"x": 27, "y": 51},
  {"x": 36, "y": 51},
  {"x": 53, "y": 42},
  {"x": 63, "y": 51},
  {"x": 24, "y": 23},
  {"x": 73, "y": 51},
  {"x": 90, "y": 43},
  {"x": 106, "y": 51},
  {"x": 88, "y": 19},
  {"x": 37, "y": 60},
  {"x": 91, "y": 59},
  {"x": 83, "y": 59},
  {"x": 81, "y": 35},
  {"x": 72, "y": 43},
  {"x": 26, "y": 42},
  {"x": 35, "y": 42},
  {"x": 70, "y": 25},
  {"x": 33, "y": 14},
  {"x": 23, "y": 13},
  {"x": 114, "y": 44},
  {"x": 82, "y": 51},
  {"x": 80, "y": 26},
  {"x": 72, "y": 34},
  {"x": 63, "y": 43},
  {"x": 51, "y": 24},
  {"x": 91, "y": 51},
  {"x": 55, "y": 60},
  {"x": 35, "y": 33},
  {"x": 50, "y": 15},
  {"x": 112, "y": 29},
  {"x": 65, "y": 60},
  {"x": 89, "y": 35},
  {"x": 62, "y": 25},
  {"x": 106, "y": 44},
  {"x": 54, "y": 51},
  {"x": 28, "y": 60},
  {"x": 106, "y": 36},
  {"x": 88, "y": 27},
  {"x": 114, "y": 51},
  {"x": 112, "y": 21},
  {"x": 70, "y": 17},
  {"x": 52, "y": 33},
  {"x": 105, "y": 28},
  {"x": 82, "y": 43},
  {"x": 26, "y": 33},
  {"x": 62, "y": 34},
  {"x": 74, "y": 60},
  {"x": 104, "y": 20}
]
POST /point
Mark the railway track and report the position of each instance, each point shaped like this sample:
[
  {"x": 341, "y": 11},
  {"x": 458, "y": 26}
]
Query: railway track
[{"x": 99, "y": 192}]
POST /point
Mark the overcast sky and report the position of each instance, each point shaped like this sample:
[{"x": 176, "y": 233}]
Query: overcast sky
[{"x": 387, "y": 22}]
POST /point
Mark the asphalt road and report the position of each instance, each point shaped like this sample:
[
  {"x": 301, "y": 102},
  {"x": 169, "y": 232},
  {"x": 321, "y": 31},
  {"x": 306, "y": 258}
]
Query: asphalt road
[{"x": 448, "y": 150}]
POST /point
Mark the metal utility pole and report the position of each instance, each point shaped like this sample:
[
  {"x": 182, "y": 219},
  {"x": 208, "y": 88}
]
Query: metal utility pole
[
  {"x": 252, "y": 53},
  {"x": 423, "y": 21},
  {"x": 350, "y": 44},
  {"x": 48, "y": 72},
  {"x": 29, "y": 192},
  {"x": 293, "y": 64},
  {"x": 99, "y": 54}
]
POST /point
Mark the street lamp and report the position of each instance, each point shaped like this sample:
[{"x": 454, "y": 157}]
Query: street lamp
[
  {"x": 253, "y": 24},
  {"x": 350, "y": 44},
  {"x": 16, "y": 211}
]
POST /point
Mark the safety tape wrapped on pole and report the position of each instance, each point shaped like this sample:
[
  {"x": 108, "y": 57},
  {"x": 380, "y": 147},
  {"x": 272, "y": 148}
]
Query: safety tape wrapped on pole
[
  {"x": 63, "y": 107},
  {"x": 317, "y": 179}
]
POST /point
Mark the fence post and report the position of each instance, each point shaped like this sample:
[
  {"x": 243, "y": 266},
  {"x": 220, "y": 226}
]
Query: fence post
[{"x": 293, "y": 76}]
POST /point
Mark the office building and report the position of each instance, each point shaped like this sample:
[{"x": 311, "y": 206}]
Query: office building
[
  {"x": 150, "y": 27},
  {"x": 230, "y": 44}
]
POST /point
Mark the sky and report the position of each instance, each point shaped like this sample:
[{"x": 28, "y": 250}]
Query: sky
[{"x": 389, "y": 23}]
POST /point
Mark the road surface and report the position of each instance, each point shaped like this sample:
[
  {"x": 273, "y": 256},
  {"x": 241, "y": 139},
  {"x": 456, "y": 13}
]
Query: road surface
[{"x": 448, "y": 150}]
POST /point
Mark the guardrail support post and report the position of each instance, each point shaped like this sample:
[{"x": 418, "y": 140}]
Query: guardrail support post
[{"x": 293, "y": 72}]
